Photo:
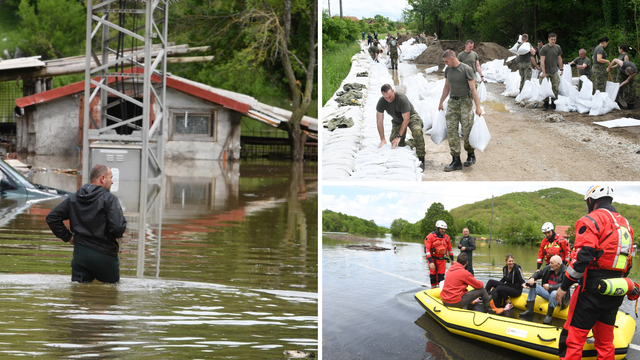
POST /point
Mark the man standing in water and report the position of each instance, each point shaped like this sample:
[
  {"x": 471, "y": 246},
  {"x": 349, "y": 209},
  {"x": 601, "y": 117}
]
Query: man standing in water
[
  {"x": 405, "y": 117},
  {"x": 466, "y": 245},
  {"x": 437, "y": 245},
  {"x": 97, "y": 221}
]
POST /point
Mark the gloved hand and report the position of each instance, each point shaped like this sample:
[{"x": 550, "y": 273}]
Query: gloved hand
[
  {"x": 448, "y": 259},
  {"x": 387, "y": 53},
  {"x": 573, "y": 65}
]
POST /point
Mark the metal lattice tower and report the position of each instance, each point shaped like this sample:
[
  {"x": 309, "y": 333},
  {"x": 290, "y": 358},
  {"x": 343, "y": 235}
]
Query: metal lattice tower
[{"x": 137, "y": 86}]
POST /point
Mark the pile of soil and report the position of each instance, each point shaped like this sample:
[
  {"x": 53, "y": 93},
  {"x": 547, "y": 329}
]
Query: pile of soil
[
  {"x": 366, "y": 247},
  {"x": 487, "y": 51}
]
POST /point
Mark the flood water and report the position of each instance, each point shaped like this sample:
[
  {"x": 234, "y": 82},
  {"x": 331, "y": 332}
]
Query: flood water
[
  {"x": 369, "y": 310},
  {"x": 228, "y": 268}
]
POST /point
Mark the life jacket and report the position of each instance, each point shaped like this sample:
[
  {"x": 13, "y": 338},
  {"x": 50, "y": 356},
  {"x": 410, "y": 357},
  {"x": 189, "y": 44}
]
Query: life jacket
[
  {"x": 439, "y": 246},
  {"x": 553, "y": 248},
  {"x": 615, "y": 239}
]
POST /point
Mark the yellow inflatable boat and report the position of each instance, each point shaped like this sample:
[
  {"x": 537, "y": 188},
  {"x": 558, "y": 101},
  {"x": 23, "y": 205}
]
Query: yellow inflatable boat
[{"x": 528, "y": 337}]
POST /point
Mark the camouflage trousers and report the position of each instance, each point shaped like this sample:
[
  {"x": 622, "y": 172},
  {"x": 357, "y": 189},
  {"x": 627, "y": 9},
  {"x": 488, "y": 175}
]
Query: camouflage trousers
[
  {"x": 459, "y": 111},
  {"x": 555, "y": 83},
  {"x": 394, "y": 59},
  {"x": 373, "y": 54},
  {"x": 415, "y": 126},
  {"x": 525, "y": 72},
  {"x": 599, "y": 77},
  {"x": 627, "y": 92}
]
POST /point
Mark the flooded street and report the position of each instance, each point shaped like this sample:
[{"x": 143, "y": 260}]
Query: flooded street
[
  {"x": 228, "y": 268},
  {"x": 369, "y": 310}
]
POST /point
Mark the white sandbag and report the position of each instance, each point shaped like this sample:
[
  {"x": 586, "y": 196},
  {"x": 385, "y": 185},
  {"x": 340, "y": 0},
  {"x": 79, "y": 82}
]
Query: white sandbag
[
  {"x": 612, "y": 90},
  {"x": 535, "y": 91},
  {"x": 482, "y": 92},
  {"x": 512, "y": 85},
  {"x": 598, "y": 104},
  {"x": 534, "y": 74},
  {"x": 566, "y": 74},
  {"x": 545, "y": 89},
  {"x": 431, "y": 69},
  {"x": 524, "y": 48},
  {"x": 583, "y": 106},
  {"x": 439, "y": 129},
  {"x": 526, "y": 91},
  {"x": 586, "y": 90},
  {"x": 565, "y": 87},
  {"x": 514, "y": 48},
  {"x": 479, "y": 137}
]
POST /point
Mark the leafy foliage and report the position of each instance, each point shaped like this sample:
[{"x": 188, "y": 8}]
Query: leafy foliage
[
  {"x": 437, "y": 212},
  {"x": 339, "y": 222}
]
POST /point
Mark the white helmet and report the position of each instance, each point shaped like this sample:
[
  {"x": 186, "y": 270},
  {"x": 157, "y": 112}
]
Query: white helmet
[
  {"x": 547, "y": 227},
  {"x": 598, "y": 191},
  {"x": 441, "y": 224}
]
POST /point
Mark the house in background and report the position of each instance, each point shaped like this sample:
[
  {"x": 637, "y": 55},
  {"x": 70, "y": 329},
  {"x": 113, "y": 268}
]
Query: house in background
[
  {"x": 562, "y": 231},
  {"x": 203, "y": 122}
]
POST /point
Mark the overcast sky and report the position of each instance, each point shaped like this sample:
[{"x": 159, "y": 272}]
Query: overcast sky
[
  {"x": 367, "y": 9},
  {"x": 386, "y": 202}
]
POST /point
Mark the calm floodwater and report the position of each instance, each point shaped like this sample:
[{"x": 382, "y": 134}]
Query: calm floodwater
[
  {"x": 369, "y": 310},
  {"x": 228, "y": 269}
]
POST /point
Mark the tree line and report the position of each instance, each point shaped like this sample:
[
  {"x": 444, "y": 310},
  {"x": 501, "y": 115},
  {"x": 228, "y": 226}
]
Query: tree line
[
  {"x": 577, "y": 23},
  {"x": 339, "y": 222}
]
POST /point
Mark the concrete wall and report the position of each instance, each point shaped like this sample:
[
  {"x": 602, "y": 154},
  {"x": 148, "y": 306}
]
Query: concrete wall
[{"x": 52, "y": 129}]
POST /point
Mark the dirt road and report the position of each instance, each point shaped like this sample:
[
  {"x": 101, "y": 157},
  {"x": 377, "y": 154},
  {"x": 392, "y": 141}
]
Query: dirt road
[{"x": 526, "y": 146}]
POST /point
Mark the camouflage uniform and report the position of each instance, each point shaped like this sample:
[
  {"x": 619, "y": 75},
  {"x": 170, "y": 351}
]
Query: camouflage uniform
[
  {"x": 524, "y": 68},
  {"x": 372, "y": 52},
  {"x": 460, "y": 110},
  {"x": 555, "y": 82},
  {"x": 627, "y": 92},
  {"x": 599, "y": 77},
  {"x": 339, "y": 122},
  {"x": 393, "y": 53},
  {"x": 415, "y": 126}
]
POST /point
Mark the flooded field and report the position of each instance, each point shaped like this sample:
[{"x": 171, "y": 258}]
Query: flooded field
[
  {"x": 228, "y": 268},
  {"x": 369, "y": 310}
]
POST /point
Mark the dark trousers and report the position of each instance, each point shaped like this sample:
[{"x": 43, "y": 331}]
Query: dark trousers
[
  {"x": 469, "y": 297},
  {"x": 501, "y": 292},
  {"x": 88, "y": 264}
]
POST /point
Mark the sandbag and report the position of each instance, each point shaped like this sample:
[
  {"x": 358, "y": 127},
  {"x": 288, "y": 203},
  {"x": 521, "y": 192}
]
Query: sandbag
[
  {"x": 526, "y": 91},
  {"x": 479, "y": 137},
  {"x": 514, "y": 48},
  {"x": 524, "y": 48},
  {"x": 482, "y": 92},
  {"x": 545, "y": 89},
  {"x": 612, "y": 90},
  {"x": 439, "y": 129},
  {"x": 587, "y": 89},
  {"x": 565, "y": 87},
  {"x": 566, "y": 74},
  {"x": 535, "y": 91},
  {"x": 534, "y": 74}
]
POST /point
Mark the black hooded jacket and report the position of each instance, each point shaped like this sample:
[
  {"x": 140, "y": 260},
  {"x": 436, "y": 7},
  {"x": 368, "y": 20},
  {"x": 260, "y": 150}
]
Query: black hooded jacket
[{"x": 95, "y": 218}]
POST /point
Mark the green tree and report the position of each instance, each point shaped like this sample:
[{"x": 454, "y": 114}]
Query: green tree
[
  {"x": 437, "y": 212},
  {"x": 399, "y": 226}
]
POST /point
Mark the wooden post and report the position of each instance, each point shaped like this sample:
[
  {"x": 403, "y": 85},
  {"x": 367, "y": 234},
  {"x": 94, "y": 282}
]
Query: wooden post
[{"x": 491, "y": 226}]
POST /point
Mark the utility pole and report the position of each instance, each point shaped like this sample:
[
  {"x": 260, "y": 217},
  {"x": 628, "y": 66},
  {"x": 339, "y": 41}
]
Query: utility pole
[
  {"x": 491, "y": 226},
  {"x": 340, "y": 9},
  {"x": 329, "y": 1}
]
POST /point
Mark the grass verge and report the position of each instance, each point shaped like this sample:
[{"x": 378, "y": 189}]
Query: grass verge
[{"x": 336, "y": 64}]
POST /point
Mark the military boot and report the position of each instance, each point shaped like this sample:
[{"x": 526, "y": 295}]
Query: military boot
[
  {"x": 549, "y": 317},
  {"x": 553, "y": 105},
  {"x": 471, "y": 159},
  {"x": 421, "y": 166},
  {"x": 545, "y": 106},
  {"x": 529, "y": 310},
  {"x": 456, "y": 164}
]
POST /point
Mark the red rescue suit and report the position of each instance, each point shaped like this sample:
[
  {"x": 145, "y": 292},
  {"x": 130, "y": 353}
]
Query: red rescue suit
[
  {"x": 437, "y": 247},
  {"x": 557, "y": 246},
  {"x": 604, "y": 242}
]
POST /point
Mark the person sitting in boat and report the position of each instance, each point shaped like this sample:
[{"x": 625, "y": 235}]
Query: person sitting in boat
[
  {"x": 552, "y": 276},
  {"x": 454, "y": 291},
  {"x": 509, "y": 285}
]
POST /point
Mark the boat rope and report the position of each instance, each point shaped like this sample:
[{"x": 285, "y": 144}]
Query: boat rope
[{"x": 394, "y": 275}]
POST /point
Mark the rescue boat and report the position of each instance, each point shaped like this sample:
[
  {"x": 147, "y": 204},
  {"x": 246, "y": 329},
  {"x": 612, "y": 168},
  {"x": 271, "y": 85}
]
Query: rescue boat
[{"x": 527, "y": 335}]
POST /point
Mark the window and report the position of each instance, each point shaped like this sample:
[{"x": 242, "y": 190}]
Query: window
[{"x": 194, "y": 125}]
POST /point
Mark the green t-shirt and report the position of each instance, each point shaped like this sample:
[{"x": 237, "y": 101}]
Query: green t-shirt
[
  {"x": 458, "y": 78},
  {"x": 393, "y": 46},
  {"x": 626, "y": 64},
  {"x": 526, "y": 58},
  {"x": 581, "y": 61},
  {"x": 374, "y": 49},
  {"x": 397, "y": 107},
  {"x": 469, "y": 58},
  {"x": 598, "y": 50},
  {"x": 551, "y": 54},
  {"x": 622, "y": 56}
]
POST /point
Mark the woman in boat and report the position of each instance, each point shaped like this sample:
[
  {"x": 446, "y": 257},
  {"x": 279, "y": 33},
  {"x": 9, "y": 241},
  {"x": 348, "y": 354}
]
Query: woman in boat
[{"x": 509, "y": 285}]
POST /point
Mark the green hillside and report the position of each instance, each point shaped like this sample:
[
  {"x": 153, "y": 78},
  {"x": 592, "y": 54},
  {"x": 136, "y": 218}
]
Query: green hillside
[
  {"x": 338, "y": 222},
  {"x": 519, "y": 216}
]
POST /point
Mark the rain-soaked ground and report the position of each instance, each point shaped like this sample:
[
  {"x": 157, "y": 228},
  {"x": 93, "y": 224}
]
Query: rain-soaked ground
[
  {"x": 228, "y": 269},
  {"x": 369, "y": 310}
]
